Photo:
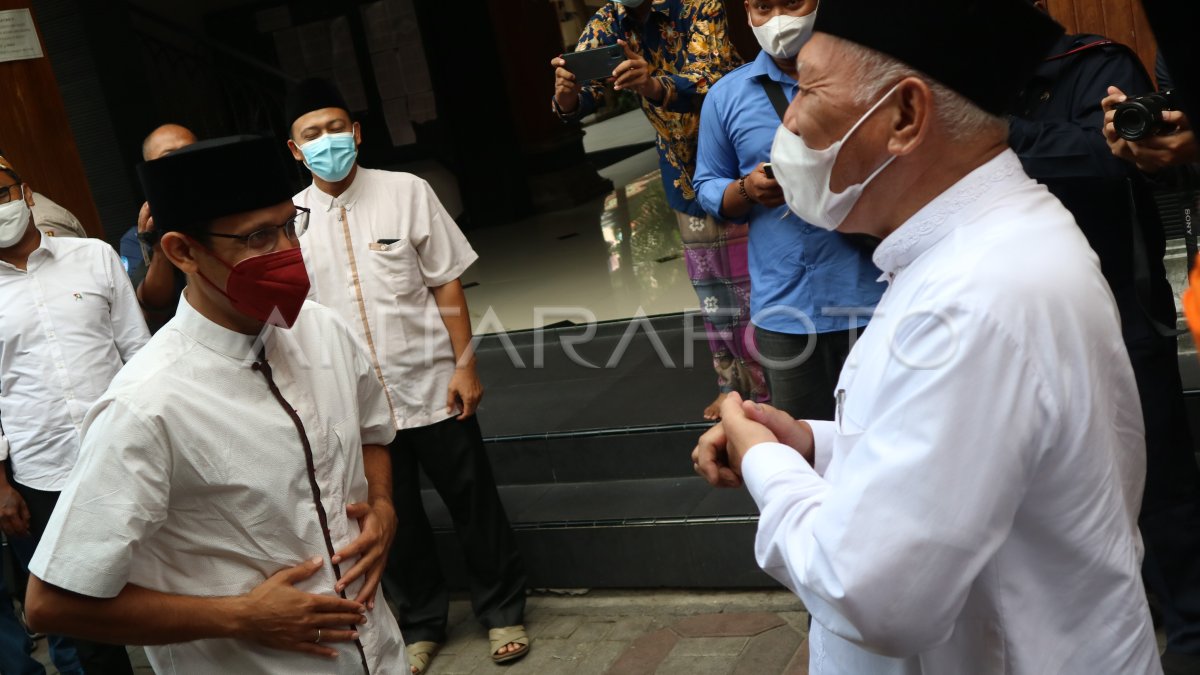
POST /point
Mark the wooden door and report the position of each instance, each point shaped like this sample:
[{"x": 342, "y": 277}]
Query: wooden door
[
  {"x": 1120, "y": 20},
  {"x": 35, "y": 134}
]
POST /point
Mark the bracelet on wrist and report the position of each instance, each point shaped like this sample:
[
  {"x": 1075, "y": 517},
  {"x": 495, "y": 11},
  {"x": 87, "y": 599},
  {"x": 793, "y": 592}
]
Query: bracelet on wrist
[{"x": 741, "y": 182}]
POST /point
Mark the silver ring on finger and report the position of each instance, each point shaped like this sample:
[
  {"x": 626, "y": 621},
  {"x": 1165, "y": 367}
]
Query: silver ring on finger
[{"x": 318, "y": 640}]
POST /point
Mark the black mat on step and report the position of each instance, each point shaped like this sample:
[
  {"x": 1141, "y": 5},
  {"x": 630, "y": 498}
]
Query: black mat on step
[
  {"x": 607, "y": 503},
  {"x": 648, "y": 371}
]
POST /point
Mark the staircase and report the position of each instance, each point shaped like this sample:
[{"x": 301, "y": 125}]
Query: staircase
[{"x": 593, "y": 463}]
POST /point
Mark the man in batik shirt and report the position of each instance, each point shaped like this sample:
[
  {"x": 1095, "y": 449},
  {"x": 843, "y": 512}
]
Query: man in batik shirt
[{"x": 675, "y": 50}]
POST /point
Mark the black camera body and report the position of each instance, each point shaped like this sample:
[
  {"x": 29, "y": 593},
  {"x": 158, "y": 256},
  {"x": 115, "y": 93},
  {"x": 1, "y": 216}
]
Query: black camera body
[{"x": 1142, "y": 116}]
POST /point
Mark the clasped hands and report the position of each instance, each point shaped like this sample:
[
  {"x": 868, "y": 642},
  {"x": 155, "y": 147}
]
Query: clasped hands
[{"x": 719, "y": 452}]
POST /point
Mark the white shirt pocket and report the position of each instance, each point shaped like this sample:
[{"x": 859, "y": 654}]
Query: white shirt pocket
[{"x": 392, "y": 265}]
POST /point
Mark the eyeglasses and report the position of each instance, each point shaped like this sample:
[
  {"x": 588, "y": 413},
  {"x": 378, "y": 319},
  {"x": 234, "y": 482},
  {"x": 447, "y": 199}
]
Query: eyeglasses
[
  {"x": 9, "y": 193},
  {"x": 266, "y": 239}
]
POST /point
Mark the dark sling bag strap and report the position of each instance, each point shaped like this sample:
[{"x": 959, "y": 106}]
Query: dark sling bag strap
[{"x": 774, "y": 92}]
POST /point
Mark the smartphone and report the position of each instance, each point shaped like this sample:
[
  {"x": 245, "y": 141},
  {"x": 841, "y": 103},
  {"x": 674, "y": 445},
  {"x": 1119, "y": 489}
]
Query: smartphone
[
  {"x": 594, "y": 64},
  {"x": 769, "y": 171}
]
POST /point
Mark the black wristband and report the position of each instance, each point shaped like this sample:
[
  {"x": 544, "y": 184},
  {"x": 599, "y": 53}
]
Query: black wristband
[{"x": 562, "y": 115}]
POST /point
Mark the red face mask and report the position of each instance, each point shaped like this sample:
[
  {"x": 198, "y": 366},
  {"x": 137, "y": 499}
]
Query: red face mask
[{"x": 270, "y": 287}]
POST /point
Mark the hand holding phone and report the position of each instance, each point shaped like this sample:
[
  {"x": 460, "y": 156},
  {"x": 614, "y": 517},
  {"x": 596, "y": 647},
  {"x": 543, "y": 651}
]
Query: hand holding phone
[
  {"x": 761, "y": 187},
  {"x": 594, "y": 64}
]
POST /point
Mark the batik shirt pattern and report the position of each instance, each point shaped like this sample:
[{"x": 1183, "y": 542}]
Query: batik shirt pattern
[{"x": 686, "y": 45}]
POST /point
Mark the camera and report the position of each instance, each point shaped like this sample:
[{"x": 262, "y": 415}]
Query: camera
[{"x": 1142, "y": 116}]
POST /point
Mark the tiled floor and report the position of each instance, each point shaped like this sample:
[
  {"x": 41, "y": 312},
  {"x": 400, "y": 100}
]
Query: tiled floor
[
  {"x": 607, "y": 259},
  {"x": 627, "y": 633}
]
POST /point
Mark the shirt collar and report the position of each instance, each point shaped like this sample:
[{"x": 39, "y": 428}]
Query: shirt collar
[
  {"x": 660, "y": 6},
  {"x": 956, "y": 206},
  {"x": 345, "y": 200},
  {"x": 230, "y": 343},
  {"x": 46, "y": 244},
  {"x": 763, "y": 64}
]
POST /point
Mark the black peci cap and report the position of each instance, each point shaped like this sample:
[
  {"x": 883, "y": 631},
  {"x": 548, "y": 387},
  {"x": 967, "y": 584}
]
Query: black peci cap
[
  {"x": 210, "y": 179},
  {"x": 312, "y": 94},
  {"x": 985, "y": 50}
]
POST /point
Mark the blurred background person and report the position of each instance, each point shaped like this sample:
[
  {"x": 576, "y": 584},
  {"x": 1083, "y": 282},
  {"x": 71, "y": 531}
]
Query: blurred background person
[
  {"x": 48, "y": 216},
  {"x": 68, "y": 322},
  {"x": 383, "y": 253},
  {"x": 811, "y": 290},
  {"x": 158, "y": 282}
]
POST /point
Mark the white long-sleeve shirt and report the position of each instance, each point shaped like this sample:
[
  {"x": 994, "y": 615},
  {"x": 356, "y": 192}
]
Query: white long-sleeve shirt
[
  {"x": 68, "y": 323},
  {"x": 974, "y": 505}
]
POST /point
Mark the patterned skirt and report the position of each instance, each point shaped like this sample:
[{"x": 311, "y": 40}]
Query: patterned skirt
[{"x": 719, "y": 269}]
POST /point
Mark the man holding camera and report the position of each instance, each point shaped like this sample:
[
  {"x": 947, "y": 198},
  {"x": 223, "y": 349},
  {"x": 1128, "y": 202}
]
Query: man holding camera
[
  {"x": 1166, "y": 142},
  {"x": 1054, "y": 128}
]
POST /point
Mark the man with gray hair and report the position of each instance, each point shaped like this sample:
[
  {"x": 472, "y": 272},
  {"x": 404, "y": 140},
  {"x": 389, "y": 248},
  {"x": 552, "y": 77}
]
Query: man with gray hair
[{"x": 973, "y": 506}]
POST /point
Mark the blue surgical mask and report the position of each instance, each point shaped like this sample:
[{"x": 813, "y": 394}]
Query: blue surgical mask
[
  {"x": 629, "y": 3},
  {"x": 330, "y": 157}
]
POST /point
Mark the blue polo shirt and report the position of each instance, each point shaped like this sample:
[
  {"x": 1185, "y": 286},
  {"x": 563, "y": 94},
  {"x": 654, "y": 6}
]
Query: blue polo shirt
[
  {"x": 802, "y": 279},
  {"x": 130, "y": 251}
]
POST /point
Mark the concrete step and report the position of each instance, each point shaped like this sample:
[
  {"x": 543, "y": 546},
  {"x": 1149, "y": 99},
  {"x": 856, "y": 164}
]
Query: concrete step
[{"x": 647, "y": 533}]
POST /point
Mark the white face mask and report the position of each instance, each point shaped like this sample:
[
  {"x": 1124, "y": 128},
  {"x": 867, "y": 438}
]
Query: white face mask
[
  {"x": 14, "y": 220},
  {"x": 804, "y": 175},
  {"x": 784, "y": 35}
]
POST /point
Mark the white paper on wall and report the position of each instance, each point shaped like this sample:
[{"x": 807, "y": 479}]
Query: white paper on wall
[
  {"x": 18, "y": 36},
  {"x": 401, "y": 71}
]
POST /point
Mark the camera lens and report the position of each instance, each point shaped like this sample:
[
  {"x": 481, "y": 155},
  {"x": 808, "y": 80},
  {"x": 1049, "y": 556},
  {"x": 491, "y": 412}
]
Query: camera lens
[{"x": 1133, "y": 121}]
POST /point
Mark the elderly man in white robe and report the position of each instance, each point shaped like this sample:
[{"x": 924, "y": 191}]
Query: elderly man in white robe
[{"x": 973, "y": 506}]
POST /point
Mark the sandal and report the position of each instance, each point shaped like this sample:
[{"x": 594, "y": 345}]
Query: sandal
[
  {"x": 420, "y": 654},
  {"x": 500, "y": 637}
]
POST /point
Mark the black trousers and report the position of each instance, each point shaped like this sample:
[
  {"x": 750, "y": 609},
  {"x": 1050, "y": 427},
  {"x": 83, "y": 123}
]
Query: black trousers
[
  {"x": 95, "y": 657},
  {"x": 1170, "y": 517},
  {"x": 803, "y": 388},
  {"x": 453, "y": 457}
]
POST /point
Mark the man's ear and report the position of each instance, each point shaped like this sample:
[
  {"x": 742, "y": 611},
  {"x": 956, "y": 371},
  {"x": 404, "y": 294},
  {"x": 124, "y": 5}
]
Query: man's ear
[
  {"x": 357, "y": 134},
  {"x": 295, "y": 150},
  {"x": 914, "y": 114},
  {"x": 180, "y": 250},
  {"x": 28, "y": 192}
]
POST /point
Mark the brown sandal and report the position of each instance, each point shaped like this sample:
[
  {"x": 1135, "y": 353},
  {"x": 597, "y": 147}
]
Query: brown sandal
[
  {"x": 420, "y": 654},
  {"x": 500, "y": 637}
]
